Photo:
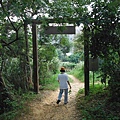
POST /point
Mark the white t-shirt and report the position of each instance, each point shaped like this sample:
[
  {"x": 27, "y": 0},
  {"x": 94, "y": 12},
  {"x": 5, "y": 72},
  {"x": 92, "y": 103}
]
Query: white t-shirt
[{"x": 63, "y": 78}]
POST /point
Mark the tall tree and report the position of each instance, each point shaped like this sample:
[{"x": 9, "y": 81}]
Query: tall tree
[{"x": 104, "y": 38}]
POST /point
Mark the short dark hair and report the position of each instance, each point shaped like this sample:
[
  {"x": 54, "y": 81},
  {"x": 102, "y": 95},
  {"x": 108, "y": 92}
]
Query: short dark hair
[{"x": 62, "y": 70}]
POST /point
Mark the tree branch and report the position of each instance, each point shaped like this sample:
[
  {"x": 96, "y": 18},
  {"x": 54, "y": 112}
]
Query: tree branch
[
  {"x": 6, "y": 44},
  {"x": 7, "y": 15}
]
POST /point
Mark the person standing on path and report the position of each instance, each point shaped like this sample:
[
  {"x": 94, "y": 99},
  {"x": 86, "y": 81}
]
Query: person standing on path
[{"x": 64, "y": 82}]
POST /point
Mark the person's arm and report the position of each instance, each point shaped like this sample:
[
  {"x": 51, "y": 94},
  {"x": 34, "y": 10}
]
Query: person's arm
[
  {"x": 58, "y": 79},
  {"x": 69, "y": 84}
]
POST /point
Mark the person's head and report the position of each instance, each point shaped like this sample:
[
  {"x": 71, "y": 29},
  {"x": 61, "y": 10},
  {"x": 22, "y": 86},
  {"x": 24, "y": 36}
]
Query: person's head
[{"x": 62, "y": 69}]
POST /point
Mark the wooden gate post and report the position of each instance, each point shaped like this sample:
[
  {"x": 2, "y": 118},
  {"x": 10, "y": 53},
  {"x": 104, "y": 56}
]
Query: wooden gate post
[
  {"x": 86, "y": 61},
  {"x": 35, "y": 58}
]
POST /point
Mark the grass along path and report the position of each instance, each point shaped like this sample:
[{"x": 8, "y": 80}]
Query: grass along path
[{"x": 44, "y": 107}]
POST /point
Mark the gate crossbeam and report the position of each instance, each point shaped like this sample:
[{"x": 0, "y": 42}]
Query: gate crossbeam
[{"x": 35, "y": 53}]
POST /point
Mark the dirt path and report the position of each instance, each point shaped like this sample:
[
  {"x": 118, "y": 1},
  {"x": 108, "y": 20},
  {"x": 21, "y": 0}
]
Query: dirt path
[{"x": 45, "y": 108}]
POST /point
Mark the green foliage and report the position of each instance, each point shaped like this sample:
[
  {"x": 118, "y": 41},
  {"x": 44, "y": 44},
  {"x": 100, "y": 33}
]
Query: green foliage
[
  {"x": 47, "y": 52},
  {"x": 64, "y": 44},
  {"x": 54, "y": 65},
  {"x": 110, "y": 72},
  {"x": 0, "y": 46},
  {"x": 103, "y": 35},
  {"x": 79, "y": 43},
  {"x": 48, "y": 69},
  {"x": 15, "y": 74},
  {"x": 78, "y": 71},
  {"x": 102, "y": 26},
  {"x": 17, "y": 105},
  {"x": 75, "y": 58},
  {"x": 68, "y": 65},
  {"x": 65, "y": 9},
  {"x": 61, "y": 56},
  {"x": 114, "y": 86},
  {"x": 50, "y": 83},
  {"x": 96, "y": 106}
]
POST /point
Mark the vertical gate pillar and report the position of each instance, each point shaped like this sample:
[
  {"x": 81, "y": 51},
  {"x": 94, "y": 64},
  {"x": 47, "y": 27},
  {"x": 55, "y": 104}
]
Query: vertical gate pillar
[
  {"x": 35, "y": 58},
  {"x": 86, "y": 61}
]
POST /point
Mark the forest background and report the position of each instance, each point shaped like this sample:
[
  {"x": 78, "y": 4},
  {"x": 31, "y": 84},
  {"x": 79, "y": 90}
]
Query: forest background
[{"x": 101, "y": 29}]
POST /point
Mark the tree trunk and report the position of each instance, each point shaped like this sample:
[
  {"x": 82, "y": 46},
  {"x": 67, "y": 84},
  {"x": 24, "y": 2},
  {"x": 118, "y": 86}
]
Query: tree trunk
[
  {"x": 28, "y": 67},
  {"x": 3, "y": 95}
]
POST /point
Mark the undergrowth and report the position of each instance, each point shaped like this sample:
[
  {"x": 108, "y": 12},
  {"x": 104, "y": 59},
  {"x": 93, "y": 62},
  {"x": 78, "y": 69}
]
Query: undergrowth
[
  {"x": 17, "y": 105},
  {"x": 97, "y": 105},
  {"x": 78, "y": 72},
  {"x": 50, "y": 83}
]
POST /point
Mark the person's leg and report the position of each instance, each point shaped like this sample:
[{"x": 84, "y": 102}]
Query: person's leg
[
  {"x": 60, "y": 96},
  {"x": 66, "y": 96}
]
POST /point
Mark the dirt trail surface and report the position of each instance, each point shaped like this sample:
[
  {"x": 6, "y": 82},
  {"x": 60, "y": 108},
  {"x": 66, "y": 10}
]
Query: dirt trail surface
[{"x": 45, "y": 107}]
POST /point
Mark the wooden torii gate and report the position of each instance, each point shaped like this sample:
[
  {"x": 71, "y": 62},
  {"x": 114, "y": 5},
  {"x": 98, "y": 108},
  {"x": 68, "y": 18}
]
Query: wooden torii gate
[{"x": 54, "y": 30}]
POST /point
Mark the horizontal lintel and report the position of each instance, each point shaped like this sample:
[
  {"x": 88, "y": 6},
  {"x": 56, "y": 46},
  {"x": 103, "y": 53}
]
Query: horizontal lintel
[{"x": 57, "y": 30}]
